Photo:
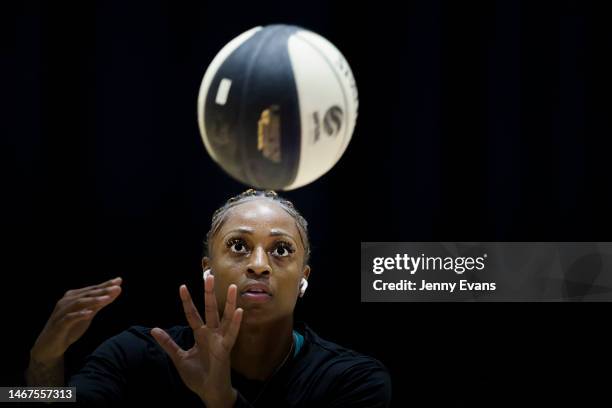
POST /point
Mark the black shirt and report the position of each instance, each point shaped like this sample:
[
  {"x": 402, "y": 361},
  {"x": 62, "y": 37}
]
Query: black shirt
[{"x": 131, "y": 368}]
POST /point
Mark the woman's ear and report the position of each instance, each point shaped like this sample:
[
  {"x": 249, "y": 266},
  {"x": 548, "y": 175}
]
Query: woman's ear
[
  {"x": 306, "y": 271},
  {"x": 205, "y": 262},
  {"x": 304, "y": 281},
  {"x": 205, "y": 267}
]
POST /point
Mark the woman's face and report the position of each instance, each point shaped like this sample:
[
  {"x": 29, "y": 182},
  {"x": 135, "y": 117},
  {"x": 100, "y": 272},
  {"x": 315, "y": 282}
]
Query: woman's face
[{"x": 258, "y": 247}]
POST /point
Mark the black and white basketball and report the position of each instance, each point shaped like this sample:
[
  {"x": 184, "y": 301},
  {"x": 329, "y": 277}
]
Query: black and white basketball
[{"x": 277, "y": 107}]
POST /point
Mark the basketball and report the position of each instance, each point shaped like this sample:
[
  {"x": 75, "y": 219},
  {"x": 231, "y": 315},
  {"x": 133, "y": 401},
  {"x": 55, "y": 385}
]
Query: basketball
[{"x": 277, "y": 107}]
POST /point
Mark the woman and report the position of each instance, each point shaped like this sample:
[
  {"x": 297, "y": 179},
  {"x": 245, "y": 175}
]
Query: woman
[{"x": 247, "y": 351}]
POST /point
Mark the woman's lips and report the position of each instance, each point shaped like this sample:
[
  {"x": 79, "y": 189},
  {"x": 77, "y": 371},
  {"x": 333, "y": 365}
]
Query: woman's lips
[{"x": 258, "y": 297}]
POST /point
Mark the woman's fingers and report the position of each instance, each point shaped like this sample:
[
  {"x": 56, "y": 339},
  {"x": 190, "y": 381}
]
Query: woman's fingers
[
  {"x": 229, "y": 326},
  {"x": 76, "y": 306},
  {"x": 113, "y": 290},
  {"x": 77, "y": 316},
  {"x": 232, "y": 333},
  {"x": 69, "y": 309},
  {"x": 210, "y": 303},
  {"x": 81, "y": 303},
  {"x": 111, "y": 282},
  {"x": 193, "y": 316},
  {"x": 166, "y": 343},
  {"x": 230, "y": 306}
]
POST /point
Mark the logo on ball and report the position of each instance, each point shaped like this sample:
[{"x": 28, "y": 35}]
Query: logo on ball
[
  {"x": 269, "y": 134},
  {"x": 332, "y": 121}
]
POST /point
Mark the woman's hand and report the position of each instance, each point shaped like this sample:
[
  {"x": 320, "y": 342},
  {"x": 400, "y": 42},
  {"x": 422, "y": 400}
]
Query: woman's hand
[
  {"x": 206, "y": 367},
  {"x": 71, "y": 318}
]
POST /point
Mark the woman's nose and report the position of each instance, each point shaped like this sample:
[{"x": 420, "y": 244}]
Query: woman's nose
[{"x": 259, "y": 262}]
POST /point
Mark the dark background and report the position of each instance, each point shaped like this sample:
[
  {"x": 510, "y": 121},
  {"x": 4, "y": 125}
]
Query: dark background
[{"x": 479, "y": 121}]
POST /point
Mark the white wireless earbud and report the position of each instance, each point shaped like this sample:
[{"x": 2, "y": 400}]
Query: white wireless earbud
[
  {"x": 303, "y": 286},
  {"x": 205, "y": 274}
]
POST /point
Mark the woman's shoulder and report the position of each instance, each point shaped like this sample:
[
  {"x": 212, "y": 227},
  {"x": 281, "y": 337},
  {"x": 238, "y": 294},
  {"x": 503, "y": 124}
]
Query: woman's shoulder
[
  {"x": 329, "y": 352},
  {"x": 339, "y": 374}
]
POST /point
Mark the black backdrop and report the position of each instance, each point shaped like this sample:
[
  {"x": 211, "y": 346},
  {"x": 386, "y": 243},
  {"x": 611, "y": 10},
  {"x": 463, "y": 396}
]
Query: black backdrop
[{"x": 478, "y": 122}]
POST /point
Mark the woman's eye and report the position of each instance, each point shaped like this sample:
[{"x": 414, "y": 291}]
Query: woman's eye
[
  {"x": 283, "y": 250},
  {"x": 237, "y": 246}
]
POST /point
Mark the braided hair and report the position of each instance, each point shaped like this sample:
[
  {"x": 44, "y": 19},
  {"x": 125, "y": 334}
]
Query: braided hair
[{"x": 219, "y": 216}]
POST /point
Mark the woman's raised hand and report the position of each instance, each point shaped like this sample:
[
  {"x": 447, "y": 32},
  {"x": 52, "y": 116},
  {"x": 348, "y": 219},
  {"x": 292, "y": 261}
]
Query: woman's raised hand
[
  {"x": 206, "y": 367},
  {"x": 71, "y": 318}
]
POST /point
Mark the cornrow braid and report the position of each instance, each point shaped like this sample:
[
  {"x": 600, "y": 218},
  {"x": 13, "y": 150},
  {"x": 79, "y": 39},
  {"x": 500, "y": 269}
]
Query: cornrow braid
[{"x": 219, "y": 217}]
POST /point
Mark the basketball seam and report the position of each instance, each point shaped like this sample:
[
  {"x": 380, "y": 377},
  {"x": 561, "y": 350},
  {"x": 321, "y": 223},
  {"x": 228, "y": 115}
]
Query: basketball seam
[
  {"x": 214, "y": 75},
  {"x": 243, "y": 149}
]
